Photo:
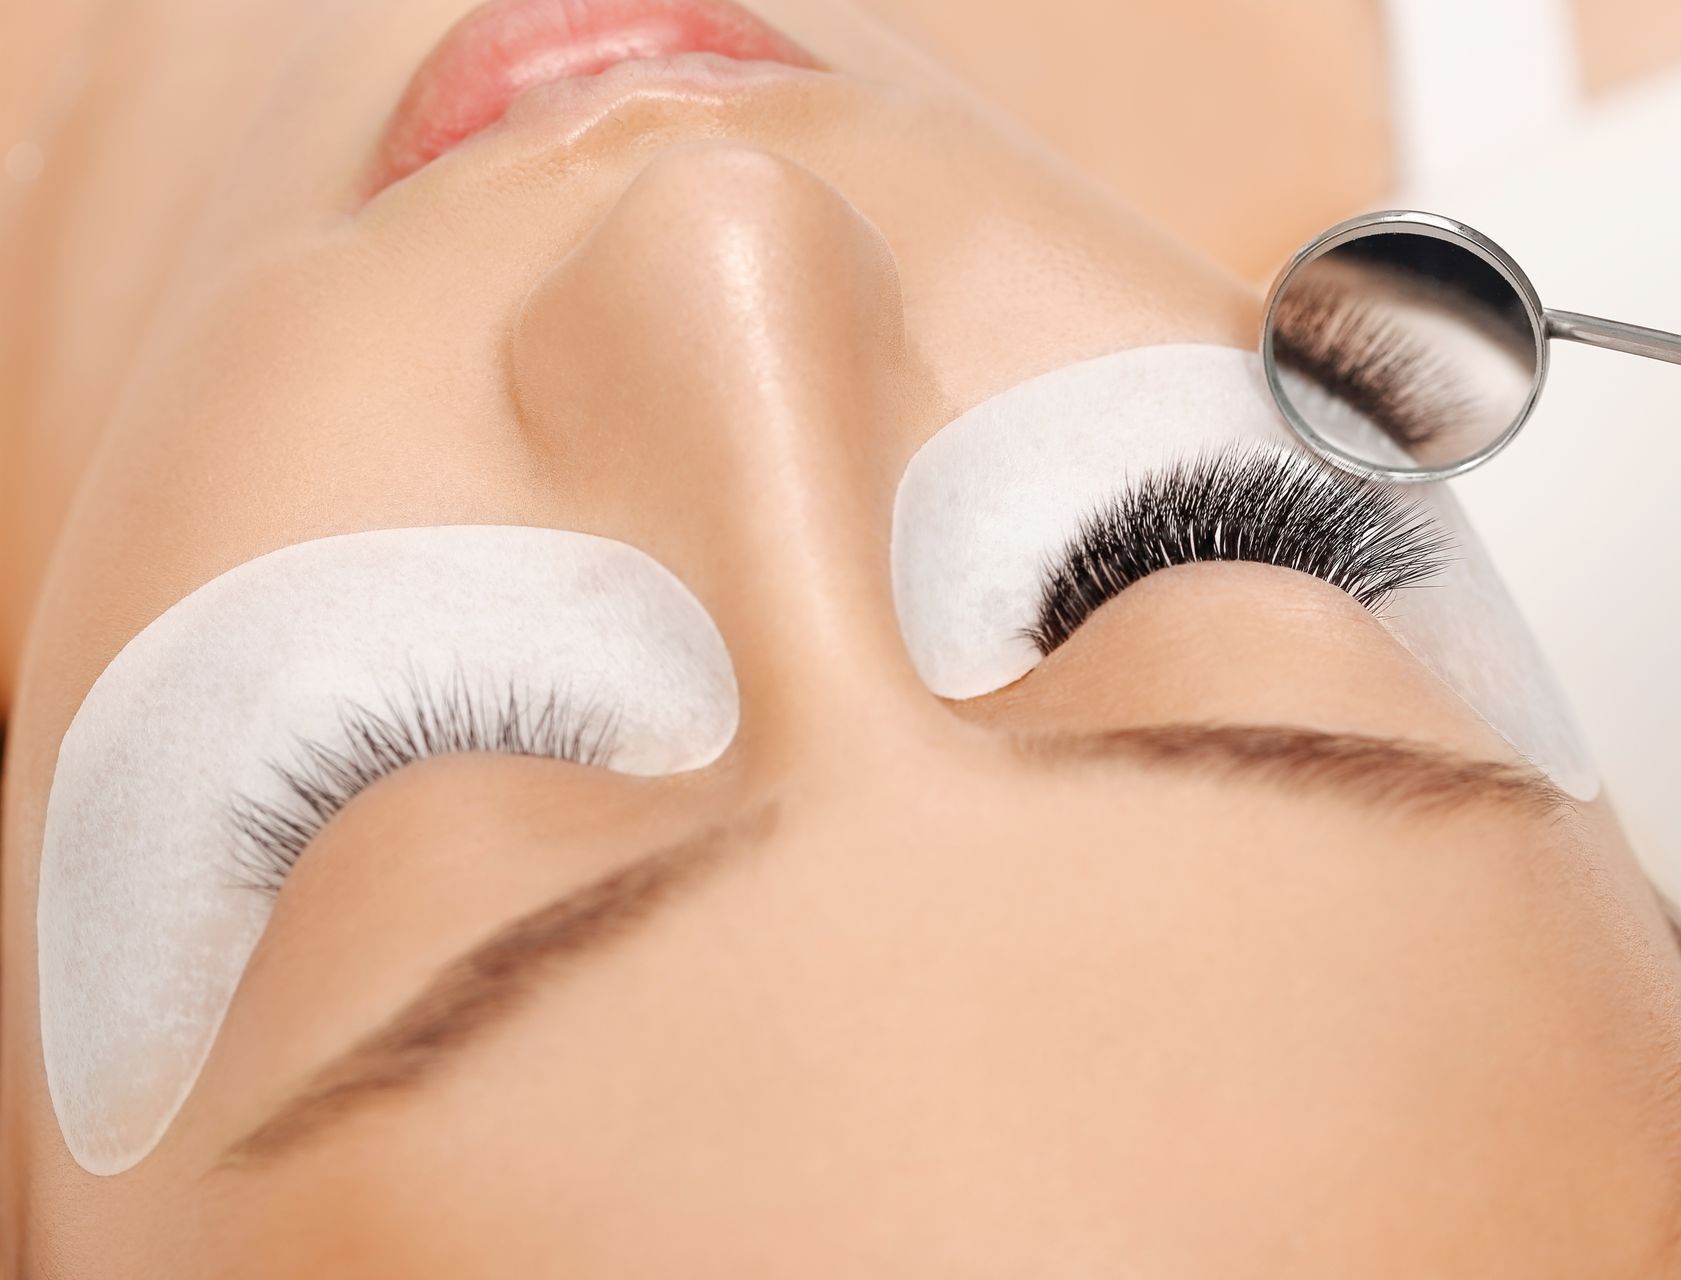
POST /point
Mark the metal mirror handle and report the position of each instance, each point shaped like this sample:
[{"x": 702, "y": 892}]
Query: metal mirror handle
[{"x": 1614, "y": 335}]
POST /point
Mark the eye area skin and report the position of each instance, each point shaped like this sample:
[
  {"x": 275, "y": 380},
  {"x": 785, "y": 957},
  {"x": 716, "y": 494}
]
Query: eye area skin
[
  {"x": 1289, "y": 828},
  {"x": 758, "y": 943},
  {"x": 422, "y": 722},
  {"x": 970, "y": 1002},
  {"x": 1239, "y": 642}
]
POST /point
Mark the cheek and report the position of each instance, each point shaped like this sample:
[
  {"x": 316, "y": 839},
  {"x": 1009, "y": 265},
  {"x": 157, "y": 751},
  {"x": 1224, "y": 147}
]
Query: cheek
[{"x": 987, "y": 503}]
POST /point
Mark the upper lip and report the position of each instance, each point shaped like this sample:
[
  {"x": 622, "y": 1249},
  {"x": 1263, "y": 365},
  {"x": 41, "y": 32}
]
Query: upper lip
[{"x": 505, "y": 47}]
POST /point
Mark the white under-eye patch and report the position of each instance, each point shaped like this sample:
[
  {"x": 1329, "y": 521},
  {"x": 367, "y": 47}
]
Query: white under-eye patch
[
  {"x": 987, "y": 505},
  {"x": 171, "y": 789}
]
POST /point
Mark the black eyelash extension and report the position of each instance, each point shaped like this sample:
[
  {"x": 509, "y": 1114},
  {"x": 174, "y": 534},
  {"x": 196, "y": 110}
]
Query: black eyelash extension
[
  {"x": 1371, "y": 364},
  {"x": 1264, "y": 505},
  {"x": 423, "y": 721}
]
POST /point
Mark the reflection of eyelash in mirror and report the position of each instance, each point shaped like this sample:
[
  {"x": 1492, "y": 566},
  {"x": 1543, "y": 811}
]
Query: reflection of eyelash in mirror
[
  {"x": 424, "y": 721},
  {"x": 1370, "y": 363},
  {"x": 1260, "y": 504}
]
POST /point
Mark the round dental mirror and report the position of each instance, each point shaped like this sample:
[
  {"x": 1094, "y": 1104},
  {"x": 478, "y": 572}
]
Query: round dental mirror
[{"x": 1404, "y": 346}]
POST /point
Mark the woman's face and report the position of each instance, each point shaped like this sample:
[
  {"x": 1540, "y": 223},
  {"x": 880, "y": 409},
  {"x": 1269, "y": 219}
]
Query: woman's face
[{"x": 897, "y": 986}]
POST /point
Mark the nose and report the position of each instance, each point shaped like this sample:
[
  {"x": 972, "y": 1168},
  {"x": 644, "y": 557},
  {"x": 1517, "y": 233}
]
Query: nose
[{"x": 719, "y": 375}]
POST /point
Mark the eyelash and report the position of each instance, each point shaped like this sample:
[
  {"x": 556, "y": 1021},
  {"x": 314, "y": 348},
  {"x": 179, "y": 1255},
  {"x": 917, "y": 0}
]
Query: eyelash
[
  {"x": 1262, "y": 505},
  {"x": 1372, "y": 364},
  {"x": 420, "y": 722}
]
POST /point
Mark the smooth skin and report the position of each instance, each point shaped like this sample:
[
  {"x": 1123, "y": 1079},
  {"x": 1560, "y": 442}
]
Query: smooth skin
[
  {"x": 1283, "y": 101},
  {"x": 949, "y": 1009}
]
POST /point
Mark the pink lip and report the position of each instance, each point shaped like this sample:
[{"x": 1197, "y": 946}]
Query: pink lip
[{"x": 505, "y": 47}]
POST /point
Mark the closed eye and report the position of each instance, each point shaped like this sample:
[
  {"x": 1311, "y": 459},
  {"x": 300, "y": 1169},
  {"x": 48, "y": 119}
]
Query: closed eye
[
  {"x": 1264, "y": 505},
  {"x": 419, "y": 722}
]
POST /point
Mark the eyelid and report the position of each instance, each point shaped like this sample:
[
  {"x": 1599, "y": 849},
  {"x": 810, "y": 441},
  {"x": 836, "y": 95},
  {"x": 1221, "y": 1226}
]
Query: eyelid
[
  {"x": 421, "y": 721},
  {"x": 1260, "y": 504}
]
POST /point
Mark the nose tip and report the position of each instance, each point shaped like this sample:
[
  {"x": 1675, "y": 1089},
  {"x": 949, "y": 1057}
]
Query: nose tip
[{"x": 719, "y": 375}]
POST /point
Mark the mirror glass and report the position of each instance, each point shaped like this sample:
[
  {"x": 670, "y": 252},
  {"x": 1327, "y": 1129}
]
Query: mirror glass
[{"x": 1404, "y": 350}]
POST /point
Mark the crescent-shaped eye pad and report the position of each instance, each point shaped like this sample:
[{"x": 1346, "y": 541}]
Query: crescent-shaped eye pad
[
  {"x": 989, "y": 502},
  {"x": 146, "y": 920}
]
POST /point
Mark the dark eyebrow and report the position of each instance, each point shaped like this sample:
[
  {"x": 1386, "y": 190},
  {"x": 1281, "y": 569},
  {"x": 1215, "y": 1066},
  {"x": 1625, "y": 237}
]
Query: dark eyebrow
[
  {"x": 489, "y": 982},
  {"x": 493, "y": 980},
  {"x": 1389, "y": 773},
  {"x": 1384, "y": 772}
]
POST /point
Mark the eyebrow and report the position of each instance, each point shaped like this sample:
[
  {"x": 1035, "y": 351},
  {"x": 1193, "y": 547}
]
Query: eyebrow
[
  {"x": 1387, "y": 773},
  {"x": 495, "y": 978},
  {"x": 492, "y": 980}
]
